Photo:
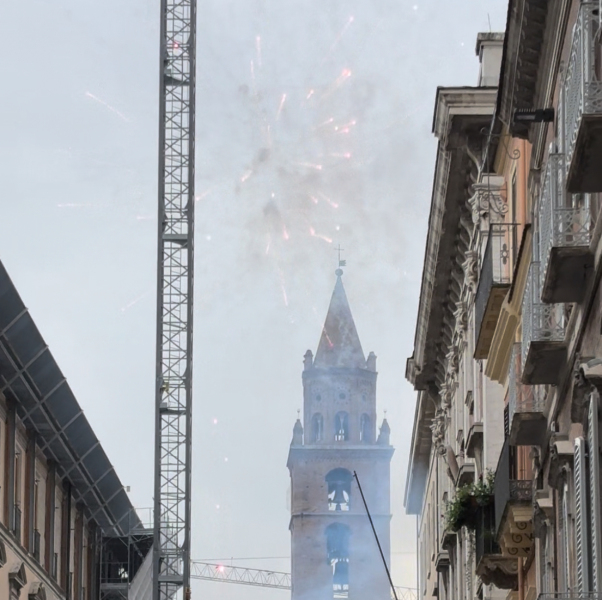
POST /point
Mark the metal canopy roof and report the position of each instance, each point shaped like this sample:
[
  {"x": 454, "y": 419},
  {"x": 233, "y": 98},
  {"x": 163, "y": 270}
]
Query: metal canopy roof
[{"x": 44, "y": 401}]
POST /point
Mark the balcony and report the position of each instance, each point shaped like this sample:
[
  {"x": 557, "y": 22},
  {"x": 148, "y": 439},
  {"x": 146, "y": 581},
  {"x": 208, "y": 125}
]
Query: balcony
[
  {"x": 494, "y": 283},
  {"x": 526, "y": 406},
  {"x": 565, "y": 234},
  {"x": 513, "y": 500},
  {"x": 543, "y": 347},
  {"x": 491, "y": 565},
  {"x": 581, "y": 119}
]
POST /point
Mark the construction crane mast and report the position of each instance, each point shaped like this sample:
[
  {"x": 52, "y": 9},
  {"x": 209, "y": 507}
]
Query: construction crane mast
[{"x": 175, "y": 262}]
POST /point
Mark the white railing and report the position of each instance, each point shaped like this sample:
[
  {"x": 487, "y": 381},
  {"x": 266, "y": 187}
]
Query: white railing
[
  {"x": 541, "y": 322},
  {"x": 582, "y": 89},
  {"x": 563, "y": 220}
]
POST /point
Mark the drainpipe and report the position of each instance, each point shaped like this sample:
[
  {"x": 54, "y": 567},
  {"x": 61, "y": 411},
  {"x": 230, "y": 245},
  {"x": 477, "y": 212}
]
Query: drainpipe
[{"x": 521, "y": 577}]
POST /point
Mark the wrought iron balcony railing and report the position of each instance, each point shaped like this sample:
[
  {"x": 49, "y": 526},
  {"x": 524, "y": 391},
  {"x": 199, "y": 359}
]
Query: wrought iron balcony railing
[
  {"x": 565, "y": 226},
  {"x": 508, "y": 489},
  {"x": 485, "y": 538},
  {"x": 491, "y": 565},
  {"x": 494, "y": 281},
  {"x": 543, "y": 328},
  {"x": 526, "y": 406},
  {"x": 582, "y": 104}
]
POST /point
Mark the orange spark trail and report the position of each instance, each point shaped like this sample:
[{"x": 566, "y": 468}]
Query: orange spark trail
[
  {"x": 329, "y": 201},
  {"x": 313, "y": 233},
  {"x": 107, "y": 105}
]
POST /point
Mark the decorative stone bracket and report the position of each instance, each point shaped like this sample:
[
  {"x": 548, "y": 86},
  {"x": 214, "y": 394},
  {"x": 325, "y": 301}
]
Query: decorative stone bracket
[{"x": 486, "y": 202}]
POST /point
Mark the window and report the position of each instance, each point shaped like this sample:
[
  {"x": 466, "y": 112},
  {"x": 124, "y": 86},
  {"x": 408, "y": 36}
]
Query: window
[
  {"x": 317, "y": 428},
  {"x": 341, "y": 427},
  {"x": 365, "y": 429},
  {"x": 339, "y": 489},
  {"x": 337, "y": 548}
]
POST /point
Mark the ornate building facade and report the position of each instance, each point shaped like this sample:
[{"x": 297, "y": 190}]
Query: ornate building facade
[
  {"x": 525, "y": 399},
  {"x": 334, "y": 551}
]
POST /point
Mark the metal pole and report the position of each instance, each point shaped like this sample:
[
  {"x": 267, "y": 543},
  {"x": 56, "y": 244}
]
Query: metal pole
[{"x": 382, "y": 555}]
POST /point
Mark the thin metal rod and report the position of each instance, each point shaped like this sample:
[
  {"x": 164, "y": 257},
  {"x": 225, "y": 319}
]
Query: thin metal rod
[{"x": 382, "y": 555}]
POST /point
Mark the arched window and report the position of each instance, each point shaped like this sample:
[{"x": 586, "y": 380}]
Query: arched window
[
  {"x": 317, "y": 428},
  {"x": 339, "y": 489},
  {"x": 365, "y": 429},
  {"x": 337, "y": 547},
  {"x": 341, "y": 427}
]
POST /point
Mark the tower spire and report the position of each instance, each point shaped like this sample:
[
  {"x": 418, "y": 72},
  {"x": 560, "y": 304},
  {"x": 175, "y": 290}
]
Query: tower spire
[{"x": 339, "y": 344}]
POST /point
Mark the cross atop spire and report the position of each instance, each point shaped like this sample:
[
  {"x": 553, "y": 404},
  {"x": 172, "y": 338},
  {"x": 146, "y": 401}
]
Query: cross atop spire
[{"x": 339, "y": 344}]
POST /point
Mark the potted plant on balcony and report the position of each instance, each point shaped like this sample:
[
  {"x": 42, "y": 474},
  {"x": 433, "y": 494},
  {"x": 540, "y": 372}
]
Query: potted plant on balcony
[{"x": 463, "y": 509}]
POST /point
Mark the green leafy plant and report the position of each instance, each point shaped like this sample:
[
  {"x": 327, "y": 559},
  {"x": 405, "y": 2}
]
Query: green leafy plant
[{"x": 462, "y": 510}]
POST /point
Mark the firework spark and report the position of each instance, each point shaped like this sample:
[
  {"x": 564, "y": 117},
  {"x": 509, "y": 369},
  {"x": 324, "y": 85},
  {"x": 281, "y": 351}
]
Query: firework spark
[
  {"x": 203, "y": 194},
  {"x": 135, "y": 301},
  {"x": 310, "y": 94},
  {"x": 282, "y": 101},
  {"x": 310, "y": 165},
  {"x": 329, "y": 201},
  {"x": 108, "y": 106},
  {"x": 78, "y": 205},
  {"x": 258, "y": 48},
  {"x": 313, "y": 233},
  {"x": 338, "y": 38},
  {"x": 325, "y": 123},
  {"x": 246, "y": 175}
]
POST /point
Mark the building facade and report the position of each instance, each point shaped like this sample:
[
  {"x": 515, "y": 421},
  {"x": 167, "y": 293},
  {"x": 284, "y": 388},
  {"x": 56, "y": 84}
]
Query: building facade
[
  {"x": 333, "y": 549},
  {"x": 62, "y": 506},
  {"x": 518, "y": 398}
]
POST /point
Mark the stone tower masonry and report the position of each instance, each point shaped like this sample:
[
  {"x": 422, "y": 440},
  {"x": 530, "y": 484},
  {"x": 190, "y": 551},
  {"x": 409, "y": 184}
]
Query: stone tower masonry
[{"x": 333, "y": 551}]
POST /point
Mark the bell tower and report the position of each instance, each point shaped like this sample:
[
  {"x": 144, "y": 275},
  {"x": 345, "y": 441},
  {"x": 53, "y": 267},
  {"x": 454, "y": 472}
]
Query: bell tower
[{"x": 333, "y": 550}]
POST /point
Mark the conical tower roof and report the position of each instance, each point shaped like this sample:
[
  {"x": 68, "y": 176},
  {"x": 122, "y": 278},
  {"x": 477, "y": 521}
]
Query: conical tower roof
[{"x": 339, "y": 344}]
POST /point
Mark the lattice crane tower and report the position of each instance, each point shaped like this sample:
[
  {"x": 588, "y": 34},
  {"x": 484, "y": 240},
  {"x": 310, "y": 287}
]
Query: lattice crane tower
[{"x": 175, "y": 261}]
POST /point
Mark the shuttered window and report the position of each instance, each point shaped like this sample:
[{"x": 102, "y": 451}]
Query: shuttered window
[
  {"x": 563, "y": 558},
  {"x": 593, "y": 434},
  {"x": 582, "y": 557}
]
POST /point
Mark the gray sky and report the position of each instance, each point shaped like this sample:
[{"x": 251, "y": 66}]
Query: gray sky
[{"x": 347, "y": 90}]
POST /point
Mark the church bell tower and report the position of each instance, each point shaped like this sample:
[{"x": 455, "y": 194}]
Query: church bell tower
[{"x": 333, "y": 550}]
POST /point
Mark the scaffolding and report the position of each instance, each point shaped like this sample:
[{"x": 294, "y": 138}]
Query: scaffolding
[{"x": 121, "y": 557}]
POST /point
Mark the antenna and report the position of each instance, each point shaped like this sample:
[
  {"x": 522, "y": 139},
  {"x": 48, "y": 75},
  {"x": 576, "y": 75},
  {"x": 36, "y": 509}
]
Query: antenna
[{"x": 342, "y": 263}]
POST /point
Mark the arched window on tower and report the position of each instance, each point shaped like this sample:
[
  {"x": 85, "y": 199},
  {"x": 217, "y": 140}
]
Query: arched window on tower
[
  {"x": 337, "y": 547},
  {"x": 339, "y": 489},
  {"x": 317, "y": 428},
  {"x": 365, "y": 429},
  {"x": 341, "y": 427}
]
